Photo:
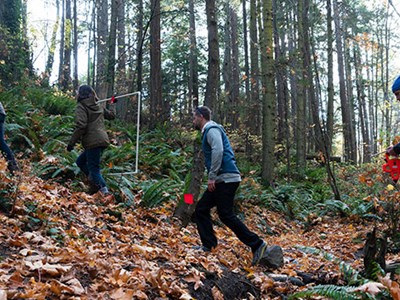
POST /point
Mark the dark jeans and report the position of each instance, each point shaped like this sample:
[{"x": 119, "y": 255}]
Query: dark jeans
[
  {"x": 3, "y": 145},
  {"x": 222, "y": 198},
  {"x": 89, "y": 163}
]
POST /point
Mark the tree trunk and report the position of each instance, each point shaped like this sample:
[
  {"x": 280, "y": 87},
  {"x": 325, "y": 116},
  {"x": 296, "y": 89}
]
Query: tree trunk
[
  {"x": 234, "y": 113},
  {"x": 66, "y": 66},
  {"x": 157, "y": 111},
  {"x": 112, "y": 41},
  {"x": 269, "y": 98},
  {"x": 212, "y": 85},
  {"x": 246, "y": 60},
  {"x": 330, "y": 90},
  {"x": 350, "y": 151},
  {"x": 53, "y": 44},
  {"x": 254, "y": 122},
  {"x": 185, "y": 211},
  {"x": 102, "y": 47},
  {"x": 227, "y": 69},
  {"x": 75, "y": 46},
  {"x": 62, "y": 43},
  {"x": 301, "y": 101},
  {"x": 193, "y": 62}
]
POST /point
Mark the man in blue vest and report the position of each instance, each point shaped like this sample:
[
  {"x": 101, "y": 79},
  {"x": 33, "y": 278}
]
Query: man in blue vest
[{"x": 223, "y": 181}]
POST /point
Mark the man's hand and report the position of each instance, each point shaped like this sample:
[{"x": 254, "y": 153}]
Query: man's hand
[
  {"x": 211, "y": 185},
  {"x": 390, "y": 151}
]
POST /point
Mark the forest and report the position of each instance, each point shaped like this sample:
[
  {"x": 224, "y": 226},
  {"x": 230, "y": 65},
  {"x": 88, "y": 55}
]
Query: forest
[{"x": 304, "y": 91}]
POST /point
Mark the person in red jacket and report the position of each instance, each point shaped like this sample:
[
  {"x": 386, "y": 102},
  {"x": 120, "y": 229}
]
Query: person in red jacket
[{"x": 91, "y": 132}]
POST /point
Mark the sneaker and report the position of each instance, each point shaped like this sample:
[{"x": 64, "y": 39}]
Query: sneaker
[
  {"x": 258, "y": 254},
  {"x": 201, "y": 248}
]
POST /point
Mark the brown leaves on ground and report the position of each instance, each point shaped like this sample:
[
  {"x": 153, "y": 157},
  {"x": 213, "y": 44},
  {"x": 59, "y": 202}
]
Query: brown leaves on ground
[{"x": 64, "y": 245}]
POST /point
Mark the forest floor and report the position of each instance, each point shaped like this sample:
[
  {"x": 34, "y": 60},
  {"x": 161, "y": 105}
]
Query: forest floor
[{"x": 59, "y": 244}]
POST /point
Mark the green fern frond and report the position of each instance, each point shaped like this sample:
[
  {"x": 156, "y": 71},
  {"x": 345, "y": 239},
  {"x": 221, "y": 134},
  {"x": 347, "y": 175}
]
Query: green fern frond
[
  {"x": 332, "y": 292},
  {"x": 351, "y": 275}
]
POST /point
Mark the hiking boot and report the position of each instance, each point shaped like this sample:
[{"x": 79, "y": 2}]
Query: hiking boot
[
  {"x": 13, "y": 166},
  {"x": 259, "y": 253}
]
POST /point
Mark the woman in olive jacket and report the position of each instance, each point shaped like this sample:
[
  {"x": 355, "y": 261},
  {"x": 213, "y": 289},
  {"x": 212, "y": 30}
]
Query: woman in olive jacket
[{"x": 91, "y": 132}]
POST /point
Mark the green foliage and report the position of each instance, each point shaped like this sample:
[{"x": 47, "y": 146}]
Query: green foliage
[
  {"x": 159, "y": 191},
  {"x": 332, "y": 292},
  {"x": 350, "y": 275}
]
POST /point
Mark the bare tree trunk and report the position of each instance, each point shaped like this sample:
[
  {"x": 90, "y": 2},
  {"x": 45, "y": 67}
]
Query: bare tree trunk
[
  {"x": 234, "y": 113},
  {"x": 330, "y": 90},
  {"x": 350, "y": 151},
  {"x": 66, "y": 67},
  {"x": 102, "y": 47},
  {"x": 62, "y": 42},
  {"x": 185, "y": 211},
  {"x": 227, "y": 69},
  {"x": 75, "y": 46},
  {"x": 246, "y": 60},
  {"x": 254, "y": 122},
  {"x": 157, "y": 110},
  {"x": 269, "y": 98},
  {"x": 301, "y": 100},
  {"x": 112, "y": 41},
  {"x": 124, "y": 108},
  {"x": 53, "y": 44},
  {"x": 193, "y": 63},
  {"x": 363, "y": 116},
  {"x": 213, "y": 70}
]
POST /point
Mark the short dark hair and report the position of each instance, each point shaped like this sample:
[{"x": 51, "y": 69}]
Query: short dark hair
[
  {"x": 204, "y": 111},
  {"x": 85, "y": 91}
]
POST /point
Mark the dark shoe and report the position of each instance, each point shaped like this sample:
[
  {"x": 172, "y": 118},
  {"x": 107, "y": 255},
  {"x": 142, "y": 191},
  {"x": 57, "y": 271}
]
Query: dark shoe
[
  {"x": 259, "y": 253},
  {"x": 13, "y": 166},
  {"x": 201, "y": 248},
  {"x": 93, "y": 189}
]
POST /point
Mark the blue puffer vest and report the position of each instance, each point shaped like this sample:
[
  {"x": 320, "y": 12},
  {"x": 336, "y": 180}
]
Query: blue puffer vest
[{"x": 228, "y": 159}]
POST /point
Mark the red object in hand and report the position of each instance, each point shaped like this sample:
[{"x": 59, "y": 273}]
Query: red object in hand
[
  {"x": 113, "y": 99},
  {"x": 188, "y": 198},
  {"x": 392, "y": 166}
]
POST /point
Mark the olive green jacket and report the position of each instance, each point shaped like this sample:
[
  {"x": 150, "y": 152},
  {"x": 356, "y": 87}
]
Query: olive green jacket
[{"x": 89, "y": 124}]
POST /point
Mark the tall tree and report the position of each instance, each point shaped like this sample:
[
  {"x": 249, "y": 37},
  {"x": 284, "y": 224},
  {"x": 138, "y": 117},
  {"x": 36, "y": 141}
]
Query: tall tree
[
  {"x": 101, "y": 47},
  {"x": 158, "y": 111},
  {"x": 213, "y": 70},
  {"x": 62, "y": 43},
  {"x": 193, "y": 61},
  {"x": 14, "y": 48},
  {"x": 111, "y": 52},
  {"x": 349, "y": 136},
  {"x": 66, "y": 66},
  {"x": 254, "y": 122},
  {"x": 330, "y": 90},
  {"x": 269, "y": 95},
  {"x": 53, "y": 44},
  {"x": 301, "y": 103},
  {"x": 75, "y": 46}
]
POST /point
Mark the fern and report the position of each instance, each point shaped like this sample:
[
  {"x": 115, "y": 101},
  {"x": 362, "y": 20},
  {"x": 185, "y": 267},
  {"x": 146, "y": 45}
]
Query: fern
[
  {"x": 158, "y": 192},
  {"x": 332, "y": 292},
  {"x": 351, "y": 275}
]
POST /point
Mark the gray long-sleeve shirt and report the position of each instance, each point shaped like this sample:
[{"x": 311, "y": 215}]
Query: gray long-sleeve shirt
[{"x": 214, "y": 139}]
